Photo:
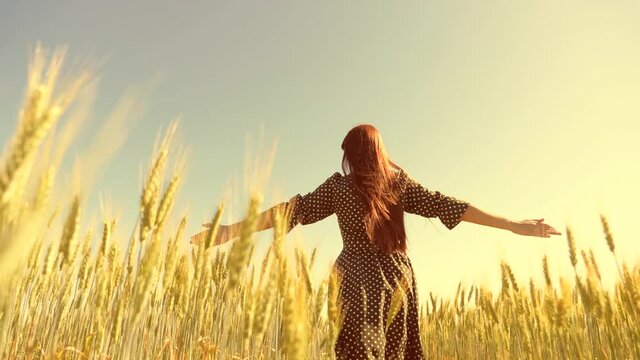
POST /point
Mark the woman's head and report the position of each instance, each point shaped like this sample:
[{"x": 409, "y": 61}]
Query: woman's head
[{"x": 372, "y": 171}]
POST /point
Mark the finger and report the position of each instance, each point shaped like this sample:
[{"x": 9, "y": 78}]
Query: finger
[{"x": 553, "y": 231}]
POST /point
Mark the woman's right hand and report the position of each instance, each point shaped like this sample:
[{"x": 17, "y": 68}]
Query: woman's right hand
[
  {"x": 533, "y": 227},
  {"x": 222, "y": 235}
]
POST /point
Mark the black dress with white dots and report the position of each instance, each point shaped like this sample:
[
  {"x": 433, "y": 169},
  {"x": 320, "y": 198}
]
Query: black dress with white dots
[{"x": 370, "y": 277}]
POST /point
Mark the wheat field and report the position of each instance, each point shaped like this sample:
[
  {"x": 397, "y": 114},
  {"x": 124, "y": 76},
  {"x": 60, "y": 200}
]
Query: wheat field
[{"x": 61, "y": 297}]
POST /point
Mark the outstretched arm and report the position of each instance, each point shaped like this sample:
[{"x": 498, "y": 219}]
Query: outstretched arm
[
  {"x": 265, "y": 221},
  {"x": 529, "y": 227},
  {"x": 307, "y": 209},
  {"x": 225, "y": 233}
]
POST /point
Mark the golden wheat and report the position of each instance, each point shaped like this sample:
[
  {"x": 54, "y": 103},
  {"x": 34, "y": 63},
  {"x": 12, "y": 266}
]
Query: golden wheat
[{"x": 64, "y": 299}]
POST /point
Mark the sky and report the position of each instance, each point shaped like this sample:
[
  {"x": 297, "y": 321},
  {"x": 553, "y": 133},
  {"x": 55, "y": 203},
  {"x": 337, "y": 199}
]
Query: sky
[{"x": 525, "y": 110}]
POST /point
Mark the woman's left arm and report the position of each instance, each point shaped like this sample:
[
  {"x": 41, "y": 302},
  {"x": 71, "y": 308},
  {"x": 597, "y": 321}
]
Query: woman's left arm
[{"x": 528, "y": 227}]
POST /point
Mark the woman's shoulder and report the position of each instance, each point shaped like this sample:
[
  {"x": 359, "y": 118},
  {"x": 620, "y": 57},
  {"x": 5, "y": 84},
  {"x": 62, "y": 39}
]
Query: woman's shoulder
[
  {"x": 400, "y": 173},
  {"x": 402, "y": 176},
  {"x": 340, "y": 179},
  {"x": 335, "y": 178}
]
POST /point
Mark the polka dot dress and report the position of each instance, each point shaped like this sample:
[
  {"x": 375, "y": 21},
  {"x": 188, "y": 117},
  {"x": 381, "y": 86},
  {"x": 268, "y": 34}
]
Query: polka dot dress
[{"x": 369, "y": 277}]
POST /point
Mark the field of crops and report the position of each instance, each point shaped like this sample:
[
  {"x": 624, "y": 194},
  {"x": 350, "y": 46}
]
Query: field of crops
[{"x": 61, "y": 297}]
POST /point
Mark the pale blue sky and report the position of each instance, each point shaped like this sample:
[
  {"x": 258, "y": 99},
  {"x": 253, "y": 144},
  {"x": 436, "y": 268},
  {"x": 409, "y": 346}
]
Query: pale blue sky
[{"x": 525, "y": 111}]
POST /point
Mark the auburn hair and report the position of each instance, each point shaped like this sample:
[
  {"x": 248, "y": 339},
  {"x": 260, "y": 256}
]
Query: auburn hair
[{"x": 366, "y": 159}]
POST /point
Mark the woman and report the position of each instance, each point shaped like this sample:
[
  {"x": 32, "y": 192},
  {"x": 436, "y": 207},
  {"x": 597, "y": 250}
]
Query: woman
[{"x": 370, "y": 201}]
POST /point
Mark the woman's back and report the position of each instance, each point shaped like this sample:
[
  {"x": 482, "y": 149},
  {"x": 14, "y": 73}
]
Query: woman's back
[
  {"x": 338, "y": 194},
  {"x": 370, "y": 277}
]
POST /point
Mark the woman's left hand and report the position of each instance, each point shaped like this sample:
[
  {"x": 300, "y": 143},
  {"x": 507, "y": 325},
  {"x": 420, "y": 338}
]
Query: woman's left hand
[{"x": 533, "y": 227}]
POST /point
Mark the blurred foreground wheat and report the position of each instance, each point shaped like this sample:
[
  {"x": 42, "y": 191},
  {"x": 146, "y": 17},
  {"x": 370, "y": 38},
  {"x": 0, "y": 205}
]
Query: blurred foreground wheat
[{"x": 61, "y": 299}]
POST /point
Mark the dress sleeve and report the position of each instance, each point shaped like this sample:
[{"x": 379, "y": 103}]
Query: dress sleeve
[
  {"x": 428, "y": 203},
  {"x": 313, "y": 206}
]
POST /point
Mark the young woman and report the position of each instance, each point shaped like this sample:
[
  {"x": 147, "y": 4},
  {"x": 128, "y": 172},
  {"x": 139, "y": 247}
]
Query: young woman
[{"x": 370, "y": 200}]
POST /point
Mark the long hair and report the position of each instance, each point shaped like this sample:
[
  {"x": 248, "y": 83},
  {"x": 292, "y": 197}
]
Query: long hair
[{"x": 366, "y": 159}]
